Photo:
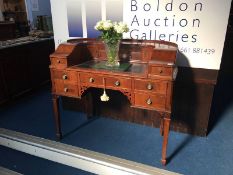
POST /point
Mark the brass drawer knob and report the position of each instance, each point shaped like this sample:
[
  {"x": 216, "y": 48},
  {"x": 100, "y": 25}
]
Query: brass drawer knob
[
  {"x": 91, "y": 80},
  {"x": 149, "y": 86},
  {"x": 64, "y": 77},
  {"x": 117, "y": 83},
  {"x": 65, "y": 89},
  {"x": 149, "y": 102},
  {"x": 160, "y": 71},
  {"x": 58, "y": 61}
]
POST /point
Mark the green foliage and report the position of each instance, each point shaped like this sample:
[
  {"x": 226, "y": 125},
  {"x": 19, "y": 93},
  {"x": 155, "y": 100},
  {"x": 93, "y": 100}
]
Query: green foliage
[{"x": 111, "y": 36}]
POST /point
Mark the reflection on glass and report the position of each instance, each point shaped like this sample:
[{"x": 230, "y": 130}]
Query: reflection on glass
[{"x": 130, "y": 67}]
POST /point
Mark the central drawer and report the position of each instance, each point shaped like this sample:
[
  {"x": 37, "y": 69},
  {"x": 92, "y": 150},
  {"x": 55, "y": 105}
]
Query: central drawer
[{"x": 110, "y": 82}]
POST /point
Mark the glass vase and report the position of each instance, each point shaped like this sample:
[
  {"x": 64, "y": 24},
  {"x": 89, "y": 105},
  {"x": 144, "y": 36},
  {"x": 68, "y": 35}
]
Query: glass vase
[{"x": 112, "y": 52}]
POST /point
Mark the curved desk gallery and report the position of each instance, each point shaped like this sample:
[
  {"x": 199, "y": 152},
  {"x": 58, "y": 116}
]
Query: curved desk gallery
[{"x": 146, "y": 76}]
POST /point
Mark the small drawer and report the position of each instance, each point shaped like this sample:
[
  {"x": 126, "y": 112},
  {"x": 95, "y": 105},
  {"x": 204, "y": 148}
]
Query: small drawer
[
  {"x": 155, "y": 101},
  {"x": 66, "y": 88},
  {"x": 91, "y": 79},
  {"x": 150, "y": 86},
  {"x": 119, "y": 82},
  {"x": 66, "y": 76},
  {"x": 58, "y": 62},
  {"x": 159, "y": 70}
]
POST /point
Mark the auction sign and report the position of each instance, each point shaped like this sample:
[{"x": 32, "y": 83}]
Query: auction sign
[{"x": 197, "y": 26}]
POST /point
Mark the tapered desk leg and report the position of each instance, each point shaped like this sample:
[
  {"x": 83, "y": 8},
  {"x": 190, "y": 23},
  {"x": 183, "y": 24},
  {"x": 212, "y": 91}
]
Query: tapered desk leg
[
  {"x": 57, "y": 116},
  {"x": 166, "y": 127},
  {"x": 161, "y": 126}
]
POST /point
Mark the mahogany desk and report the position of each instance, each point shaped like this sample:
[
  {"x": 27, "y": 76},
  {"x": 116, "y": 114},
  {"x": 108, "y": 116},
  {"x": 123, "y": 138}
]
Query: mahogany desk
[{"x": 147, "y": 83}]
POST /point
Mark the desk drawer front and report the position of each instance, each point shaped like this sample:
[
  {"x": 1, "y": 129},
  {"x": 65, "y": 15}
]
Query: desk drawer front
[
  {"x": 159, "y": 70},
  {"x": 155, "y": 101},
  {"x": 150, "y": 86},
  {"x": 66, "y": 76},
  {"x": 91, "y": 79},
  {"x": 58, "y": 62},
  {"x": 118, "y": 82},
  {"x": 66, "y": 88}
]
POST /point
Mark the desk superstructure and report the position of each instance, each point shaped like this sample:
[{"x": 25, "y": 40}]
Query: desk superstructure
[{"x": 147, "y": 83}]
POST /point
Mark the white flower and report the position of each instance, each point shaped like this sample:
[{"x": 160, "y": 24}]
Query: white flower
[
  {"x": 121, "y": 27},
  {"x": 104, "y": 25},
  {"x": 99, "y": 25},
  {"x": 107, "y": 25},
  {"x": 111, "y": 32},
  {"x": 118, "y": 27}
]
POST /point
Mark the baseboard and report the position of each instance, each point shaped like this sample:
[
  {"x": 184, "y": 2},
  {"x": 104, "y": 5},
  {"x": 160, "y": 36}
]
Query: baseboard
[{"x": 74, "y": 156}]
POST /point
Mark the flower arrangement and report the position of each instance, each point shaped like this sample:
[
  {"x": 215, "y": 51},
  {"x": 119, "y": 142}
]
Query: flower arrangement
[{"x": 112, "y": 33}]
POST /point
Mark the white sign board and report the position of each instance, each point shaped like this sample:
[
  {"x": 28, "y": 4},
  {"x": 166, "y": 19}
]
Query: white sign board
[{"x": 198, "y": 27}]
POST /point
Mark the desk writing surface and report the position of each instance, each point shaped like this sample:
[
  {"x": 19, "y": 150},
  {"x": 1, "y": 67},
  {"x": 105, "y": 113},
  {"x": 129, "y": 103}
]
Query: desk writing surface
[{"x": 135, "y": 69}]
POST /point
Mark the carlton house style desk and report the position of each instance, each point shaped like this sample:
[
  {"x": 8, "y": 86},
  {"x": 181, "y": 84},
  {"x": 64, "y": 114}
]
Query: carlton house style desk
[{"x": 147, "y": 83}]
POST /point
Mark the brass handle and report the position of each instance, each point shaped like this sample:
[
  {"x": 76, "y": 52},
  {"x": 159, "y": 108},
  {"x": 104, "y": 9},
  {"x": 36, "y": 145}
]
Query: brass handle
[
  {"x": 117, "y": 83},
  {"x": 64, "y": 77},
  {"x": 149, "y": 86},
  {"x": 91, "y": 80},
  {"x": 58, "y": 61},
  {"x": 160, "y": 71},
  {"x": 149, "y": 102},
  {"x": 65, "y": 89}
]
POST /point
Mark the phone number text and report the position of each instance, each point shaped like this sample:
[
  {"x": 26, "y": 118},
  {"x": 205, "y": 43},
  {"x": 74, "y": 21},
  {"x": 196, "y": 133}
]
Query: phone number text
[{"x": 197, "y": 50}]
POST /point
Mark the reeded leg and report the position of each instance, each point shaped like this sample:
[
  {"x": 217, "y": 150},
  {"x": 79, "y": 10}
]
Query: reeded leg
[
  {"x": 166, "y": 126},
  {"x": 57, "y": 116},
  {"x": 161, "y": 126}
]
